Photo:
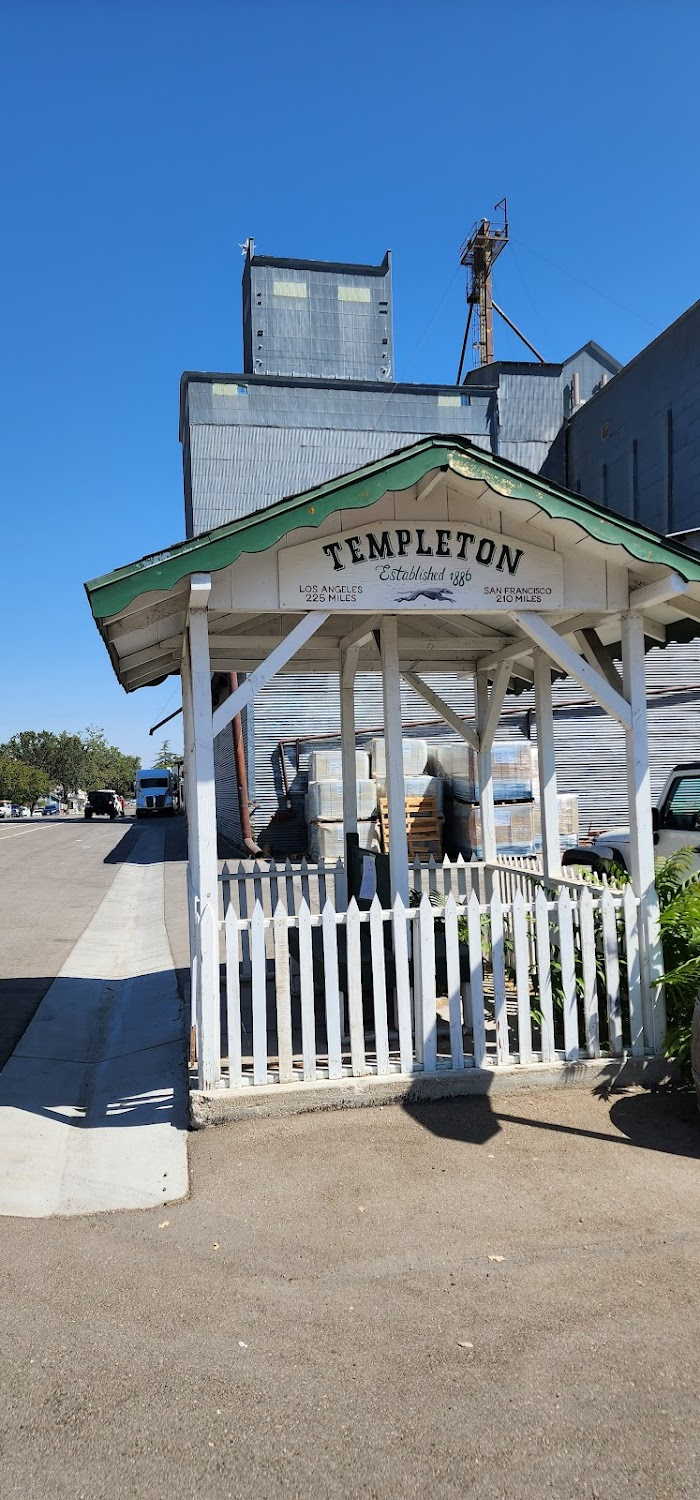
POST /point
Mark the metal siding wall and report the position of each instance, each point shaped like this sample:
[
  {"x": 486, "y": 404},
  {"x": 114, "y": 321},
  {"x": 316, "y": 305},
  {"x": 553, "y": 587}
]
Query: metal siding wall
[
  {"x": 634, "y": 405},
  {"x": 247, "y": 451},
  {"x": 320, "y": 334},
  {"x": 589, "y": 744}
]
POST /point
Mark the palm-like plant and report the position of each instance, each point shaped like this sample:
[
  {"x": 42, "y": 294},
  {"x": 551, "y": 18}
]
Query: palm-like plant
[{"x": 679, "y": 902}]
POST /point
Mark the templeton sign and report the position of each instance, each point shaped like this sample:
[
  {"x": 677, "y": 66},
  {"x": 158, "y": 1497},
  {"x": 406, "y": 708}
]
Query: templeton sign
[{"x": 412, "y": 566}]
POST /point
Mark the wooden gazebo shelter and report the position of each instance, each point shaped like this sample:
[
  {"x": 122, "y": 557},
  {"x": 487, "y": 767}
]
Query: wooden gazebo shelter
[{"x": 438, "y": 558}]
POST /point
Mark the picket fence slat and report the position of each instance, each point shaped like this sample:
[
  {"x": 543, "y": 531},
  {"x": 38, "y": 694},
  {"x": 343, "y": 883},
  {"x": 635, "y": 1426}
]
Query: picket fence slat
[
  {"x": 476, "y": 980},
  {"x": 283, "y": 995},
  {"x": 403, "y": 984},
  {"x": 426, "y": 964},
  {"x": 544, "y": 972},
  {"x": 306, "y": 994},
  {"x": 565, "y": 928},
  {"x": 499, "y": 979},
  {"x": 259, "y": 987},
  {"x": 454, "y": 993},
  {"x": 629, "y": 907},
  {"x": 233, "y": 1000},
  {"x": 522, "y": 977},
  {"x": 381, "y": 1032},
  {"x": 612, "y": 971},
  {"x": 586, "y": 927},
  {"x": 330, "y": 966},
  {"x": 356, "y": 1023}
]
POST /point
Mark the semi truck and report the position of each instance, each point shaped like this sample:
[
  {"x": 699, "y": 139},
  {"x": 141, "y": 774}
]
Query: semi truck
[{"x": 157, "y": 792}]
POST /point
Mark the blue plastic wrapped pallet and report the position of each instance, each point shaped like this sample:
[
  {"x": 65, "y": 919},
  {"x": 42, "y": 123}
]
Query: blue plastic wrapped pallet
[
  {"x": 511, "y": 762},
  {"x": 515, "y": 829}
]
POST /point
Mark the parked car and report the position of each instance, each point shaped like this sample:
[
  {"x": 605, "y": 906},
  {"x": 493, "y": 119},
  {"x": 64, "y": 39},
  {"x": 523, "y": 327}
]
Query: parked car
[
  {"x": 676, "y": 823},
  {"x": 5, "y": 809},
  {"x": 19, "y": 811},
  {"x": 51, "y": 810},
  {"x": 103, "y": 804}
]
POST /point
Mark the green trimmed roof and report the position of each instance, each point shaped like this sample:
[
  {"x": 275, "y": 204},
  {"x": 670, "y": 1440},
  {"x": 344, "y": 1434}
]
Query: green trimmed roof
[{"x": 399, "y": 471}]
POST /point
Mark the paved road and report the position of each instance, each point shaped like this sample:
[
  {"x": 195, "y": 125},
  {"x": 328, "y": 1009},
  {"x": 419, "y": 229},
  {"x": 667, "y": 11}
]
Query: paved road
[
  {"x": 455, "y": 1301},
  {"x": 53, "y": 875}
]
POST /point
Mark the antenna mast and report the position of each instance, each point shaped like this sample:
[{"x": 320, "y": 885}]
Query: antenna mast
[{"x": 478, "y": 253}]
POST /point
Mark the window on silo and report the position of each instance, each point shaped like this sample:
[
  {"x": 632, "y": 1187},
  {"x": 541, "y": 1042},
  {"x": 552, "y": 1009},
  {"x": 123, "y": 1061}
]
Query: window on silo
[{"x": 289, "y": 289}]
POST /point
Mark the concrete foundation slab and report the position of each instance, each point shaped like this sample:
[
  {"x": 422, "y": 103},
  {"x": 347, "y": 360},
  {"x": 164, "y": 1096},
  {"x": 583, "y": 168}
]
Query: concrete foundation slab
[{"x": 221, "y": 1106}]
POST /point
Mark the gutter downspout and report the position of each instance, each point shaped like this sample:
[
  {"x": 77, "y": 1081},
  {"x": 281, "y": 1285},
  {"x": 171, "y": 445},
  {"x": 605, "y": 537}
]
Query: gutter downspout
[{"x": 241, "y": 776}]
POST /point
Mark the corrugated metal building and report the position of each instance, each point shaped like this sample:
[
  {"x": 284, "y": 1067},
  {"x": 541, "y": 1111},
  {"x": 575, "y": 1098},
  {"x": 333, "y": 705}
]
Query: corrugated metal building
[
  {"x": 635, "y": 446},
  {"x": 316, "y": 398}
]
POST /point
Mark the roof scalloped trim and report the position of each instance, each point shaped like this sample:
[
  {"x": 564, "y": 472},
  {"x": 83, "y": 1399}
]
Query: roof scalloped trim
[{"x": 161, "y": 571}]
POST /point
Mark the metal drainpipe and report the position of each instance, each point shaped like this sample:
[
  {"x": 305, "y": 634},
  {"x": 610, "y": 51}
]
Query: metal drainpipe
[{"x": 241, "y": 775}]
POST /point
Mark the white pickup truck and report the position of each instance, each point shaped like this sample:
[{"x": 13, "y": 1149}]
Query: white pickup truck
[{"x": 676, "y": 826}]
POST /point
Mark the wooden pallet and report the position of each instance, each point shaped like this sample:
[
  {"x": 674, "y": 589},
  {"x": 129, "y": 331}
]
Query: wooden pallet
[{"x": 422, "y": 827}]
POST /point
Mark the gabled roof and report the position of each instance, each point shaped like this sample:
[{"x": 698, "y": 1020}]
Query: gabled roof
[{"x": 161, "y": 571}]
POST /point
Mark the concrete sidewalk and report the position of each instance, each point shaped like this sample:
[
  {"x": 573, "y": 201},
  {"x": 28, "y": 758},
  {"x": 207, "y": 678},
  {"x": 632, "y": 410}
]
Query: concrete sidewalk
[{"x": 93, "y": 1102}]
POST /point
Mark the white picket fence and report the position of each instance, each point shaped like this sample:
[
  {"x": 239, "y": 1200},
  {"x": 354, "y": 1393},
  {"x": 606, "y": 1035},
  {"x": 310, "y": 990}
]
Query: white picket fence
[
  {"x": 431, "y": 988},
  {"x": 270, "y": 883}
]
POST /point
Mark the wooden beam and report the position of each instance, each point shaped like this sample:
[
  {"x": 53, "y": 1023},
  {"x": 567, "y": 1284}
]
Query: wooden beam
[
  {"x": 209, "y": 1040},
  {"x": 348, "y": 668},
  {"x": 486, "y": 806},
  {"x": 445, "y": 646},
  {"x": 598, "y": 656},
  {"x": 547, "y": 766},
  {"x": 523, "y": 648},
  {"x": 428, "y": 483},
  {"x": 661, "y": 591},
  {"x": 151, "y": 614},
  {"x": 360, "y": 635},
  {"x": 146, "y": 676},
  {"x": 570, "y": 662},
  {"x": 441, "y": 707},
  {"x": 278, "y": 658},
  {"x": 641, "y": 828},
  {"x": 686, "y": 606},
  {"x": 393, "y": 749},
  {"x": 489, "y": 726},
  {"x": 656, "y": 631}
]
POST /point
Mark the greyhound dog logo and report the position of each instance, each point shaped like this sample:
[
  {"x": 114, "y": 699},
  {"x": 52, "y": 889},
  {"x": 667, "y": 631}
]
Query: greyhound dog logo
[{"x": 437, "y": 595}]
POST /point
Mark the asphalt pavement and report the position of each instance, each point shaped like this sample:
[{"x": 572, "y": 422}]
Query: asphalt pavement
[
  {"x": 455, "y": 1300},
  {"x": 472, "y": 1298},
  {"x": 54, "y": 873}
]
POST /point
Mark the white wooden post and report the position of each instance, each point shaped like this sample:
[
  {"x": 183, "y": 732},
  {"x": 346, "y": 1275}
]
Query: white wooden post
[
  {"x": 393, "y": 744},
  {"x": 641, "y": 829},
  {"x": 209, "y": 1041},
  {"x": 549, "y": 807},
  {"x": 486, "y": 808},
  {"x": 348, "y": 667},
  {"x": 190, "y": 772}
]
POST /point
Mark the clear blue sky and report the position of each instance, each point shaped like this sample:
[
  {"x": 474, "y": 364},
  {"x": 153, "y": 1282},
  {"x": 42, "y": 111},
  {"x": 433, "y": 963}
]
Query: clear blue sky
[{"x": 142, "y": 141}]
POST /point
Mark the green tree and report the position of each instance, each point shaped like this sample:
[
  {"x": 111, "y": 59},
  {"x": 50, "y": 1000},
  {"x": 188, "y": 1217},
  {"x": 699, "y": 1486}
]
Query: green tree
[
  {"x": 22, "y": 783},
  {"x": 107, "y": 766},
  {"x": 73, "y": 761},
  {"x": 165, "y": 757},
  {"x": 59, "y": 756}
]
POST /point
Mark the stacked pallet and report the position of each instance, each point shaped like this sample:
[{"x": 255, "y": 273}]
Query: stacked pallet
[
  {"x": 324, "y": 804},
  {"x": 424, "y": 798}
]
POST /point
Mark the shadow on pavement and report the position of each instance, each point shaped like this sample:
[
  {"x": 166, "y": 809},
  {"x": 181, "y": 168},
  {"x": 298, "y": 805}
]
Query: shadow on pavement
[
  {"x": 661, "y": 1119},
  {"x": 140, "y": 847},
  {"x": 102, "y": 1053}
]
